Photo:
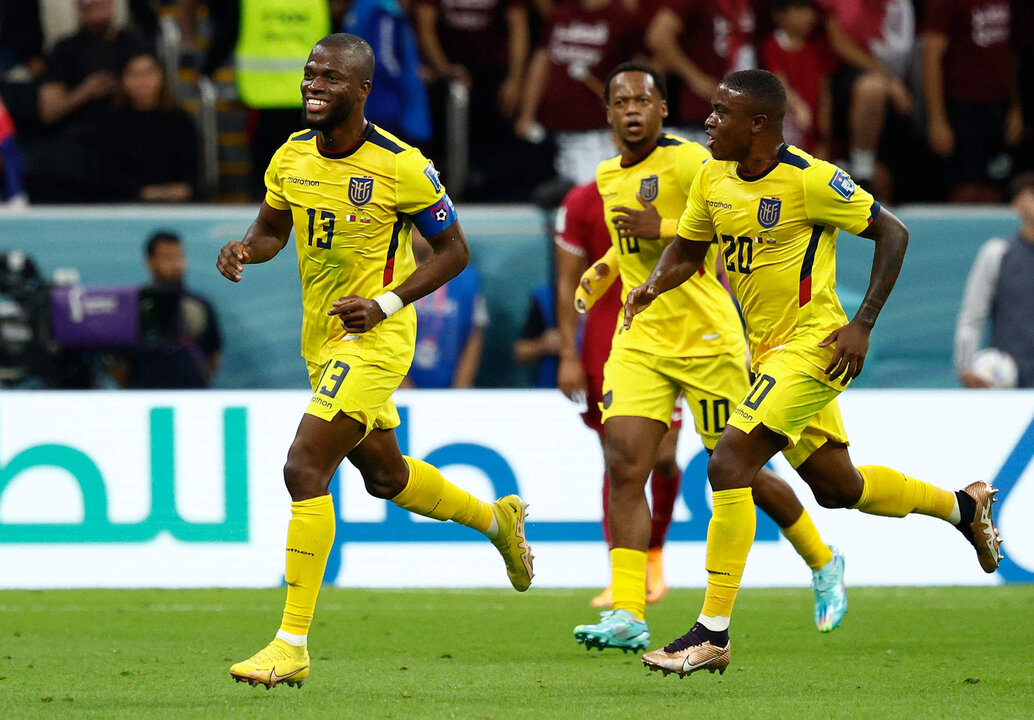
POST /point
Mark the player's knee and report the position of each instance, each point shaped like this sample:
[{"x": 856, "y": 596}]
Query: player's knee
[
  {"x": 301, "y": 478},
  {"x": 723, "y": 470},
  {"x": 666, "y": 467},
  {"x": 624, "y": 469},
  {"x": 385, "y": 483}
]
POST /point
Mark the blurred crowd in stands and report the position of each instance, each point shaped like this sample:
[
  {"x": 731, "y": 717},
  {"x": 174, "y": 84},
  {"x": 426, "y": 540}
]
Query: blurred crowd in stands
[
  {"x": 114, "y": 101},
  {"x": 923, "y": 100}
]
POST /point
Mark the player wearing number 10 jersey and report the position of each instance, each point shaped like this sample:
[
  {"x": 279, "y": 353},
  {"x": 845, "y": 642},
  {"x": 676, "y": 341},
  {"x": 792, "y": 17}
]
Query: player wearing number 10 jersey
[{"x": 352, "y": 193}]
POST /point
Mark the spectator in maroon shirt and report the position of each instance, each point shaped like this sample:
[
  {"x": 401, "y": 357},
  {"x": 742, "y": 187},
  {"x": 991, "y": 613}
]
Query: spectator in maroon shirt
[
  {"x": 581, "y": 42},
  {"x": 701, "y": 41},
  {"x": 798, "y": 53},
  {"x": 484, "y": 44},
  {"x": 972, "y": 95},
  {"x": 875, "y": 42}
]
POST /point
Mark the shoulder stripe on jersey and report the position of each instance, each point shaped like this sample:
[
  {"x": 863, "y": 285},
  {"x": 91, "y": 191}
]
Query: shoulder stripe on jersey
[
  {"x": 668, "y": 141},
  {"x": 304, "y": 135},
  {"x": 804, "y": 293},
  {"x": 784, "y": 156},
  {"x": 393, "y": 246},
  {"x": 791, "y": 159},
  {"x": 381, "y": 141}
]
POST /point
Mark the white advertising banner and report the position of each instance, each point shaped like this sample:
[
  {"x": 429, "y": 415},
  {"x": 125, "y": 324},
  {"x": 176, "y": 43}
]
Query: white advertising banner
[{"x": 184, "y": 489}]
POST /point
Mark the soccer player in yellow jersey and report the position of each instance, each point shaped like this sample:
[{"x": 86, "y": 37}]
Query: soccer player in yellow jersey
[
  {"x": 690, "y": 340},
  {"x": 352, "y": 192},
  {"x": 775, "y": 212}
]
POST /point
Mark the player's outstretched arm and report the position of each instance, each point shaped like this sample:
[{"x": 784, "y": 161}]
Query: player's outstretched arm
[
  {"x": 450, "y": 255},
  {"x": 852, "y": 340},
  {"x": 678, "y": 262},
  {"x": 263, "y": 240}
]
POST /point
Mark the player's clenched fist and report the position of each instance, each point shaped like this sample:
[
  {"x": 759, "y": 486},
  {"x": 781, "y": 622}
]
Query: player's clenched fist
[
  {"x": 358, "y": 314},
  {"x": 638, "y": 300},
  {"x": 232, "y": 258}
]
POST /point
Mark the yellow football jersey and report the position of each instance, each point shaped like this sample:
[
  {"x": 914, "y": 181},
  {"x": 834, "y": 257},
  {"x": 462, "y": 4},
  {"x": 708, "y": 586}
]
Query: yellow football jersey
[
  {"x": 353, "y": 215},
  {"x": 697, "y": 318},
  {"x": 777, "y": 231}
]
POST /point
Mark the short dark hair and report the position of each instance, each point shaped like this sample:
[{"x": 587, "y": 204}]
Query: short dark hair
[
  {"x": 633, "y": 66},
  {"x": 763, "y": 87},
  {"x": 162, "y": 236},
  {"x": 354, "y": 45},
  {"x": 1023, "y": 181}
]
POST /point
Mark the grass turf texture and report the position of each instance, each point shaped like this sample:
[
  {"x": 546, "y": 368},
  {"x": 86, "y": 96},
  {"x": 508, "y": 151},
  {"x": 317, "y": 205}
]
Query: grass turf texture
[{"x": 915, "y": 653}]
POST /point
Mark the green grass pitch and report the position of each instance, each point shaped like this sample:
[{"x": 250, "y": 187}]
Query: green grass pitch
[{"x": 901, "y": 653}]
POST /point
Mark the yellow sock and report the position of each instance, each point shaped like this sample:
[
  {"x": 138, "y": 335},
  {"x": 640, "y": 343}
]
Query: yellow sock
[
  {"x": 804, "y": 537},
  {"x": 628, "y": 580},
  {"x": 729, "y": 537},
  {"x": 886, "y": 491},
  {"x": 429, "y": 494},
  {"x": 310, "y": 535}
]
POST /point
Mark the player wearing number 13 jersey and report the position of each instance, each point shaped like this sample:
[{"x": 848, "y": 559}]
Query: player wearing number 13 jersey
[
  {"x": 352, "y": 194},
  {"x": 353, "y": 213},
  {"x": 776, "y": 212}
]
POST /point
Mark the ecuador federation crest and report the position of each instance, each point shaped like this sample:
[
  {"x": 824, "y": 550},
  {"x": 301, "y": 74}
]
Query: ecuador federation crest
[
  {"x": 360, "y": 190},
  {"x": 648, "y": 188},
  {"x": 768, "y": 211}
]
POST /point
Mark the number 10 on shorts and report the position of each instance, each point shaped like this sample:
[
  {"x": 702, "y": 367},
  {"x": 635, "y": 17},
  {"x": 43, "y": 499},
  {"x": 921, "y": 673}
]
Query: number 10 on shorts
[{"x": 757, "y": 393}]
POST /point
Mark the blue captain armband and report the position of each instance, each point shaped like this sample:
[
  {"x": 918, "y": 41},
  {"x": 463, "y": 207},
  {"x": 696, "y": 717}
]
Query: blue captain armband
[{"x": 432, "y": 220}]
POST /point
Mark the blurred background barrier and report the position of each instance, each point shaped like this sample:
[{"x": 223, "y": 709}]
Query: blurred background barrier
[
  {"x": 512, "y": 248},
  {"x": 183, "y": 489}
]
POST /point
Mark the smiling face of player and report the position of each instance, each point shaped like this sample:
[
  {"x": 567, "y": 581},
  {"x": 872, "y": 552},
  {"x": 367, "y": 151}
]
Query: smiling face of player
[
  {"x": 732, "y": 125},
  {"x": 636, "y": 111},
  {"x": 333, "y": 87}
]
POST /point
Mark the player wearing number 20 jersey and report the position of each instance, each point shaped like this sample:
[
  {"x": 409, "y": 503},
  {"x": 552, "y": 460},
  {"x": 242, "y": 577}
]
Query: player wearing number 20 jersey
[
  {"x": 777, "y": 231},
  {"x": 353, "y": 215}
]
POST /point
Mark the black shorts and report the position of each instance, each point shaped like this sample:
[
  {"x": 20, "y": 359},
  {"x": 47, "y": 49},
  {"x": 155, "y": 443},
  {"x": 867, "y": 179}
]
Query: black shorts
[{"x": 979, "y": 138}]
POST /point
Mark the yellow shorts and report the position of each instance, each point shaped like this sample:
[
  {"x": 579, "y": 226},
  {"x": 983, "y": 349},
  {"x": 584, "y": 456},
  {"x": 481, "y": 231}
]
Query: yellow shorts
[
  {"x": 358, "y": 389},
  {"x": 789, "y": 401},
  {"x": 639, "y": 384}
]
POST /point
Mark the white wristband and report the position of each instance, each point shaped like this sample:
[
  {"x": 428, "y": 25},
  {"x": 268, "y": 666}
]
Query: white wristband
[{"x": 390, "y": 303}]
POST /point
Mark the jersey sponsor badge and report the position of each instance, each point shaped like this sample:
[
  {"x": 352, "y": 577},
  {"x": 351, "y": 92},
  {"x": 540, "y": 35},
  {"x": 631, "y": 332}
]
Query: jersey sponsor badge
[
  {"x": 648, "y": 188},
  {"x": 432, "y": 175},
  {"x": 842, "y": 184},
  {"x": 768, "y": 211},
  {"x": 360, "y": 190}
]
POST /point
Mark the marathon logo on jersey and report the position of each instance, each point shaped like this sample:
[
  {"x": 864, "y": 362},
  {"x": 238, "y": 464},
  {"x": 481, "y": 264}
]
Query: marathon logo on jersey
[
  {"x": 648, "y": 188},
  {"x": 432, "y": 175},
  {"x": 843, "y": 184},
  {"x": 768, "y": 211},
  {"x": 360, "y": 190}
]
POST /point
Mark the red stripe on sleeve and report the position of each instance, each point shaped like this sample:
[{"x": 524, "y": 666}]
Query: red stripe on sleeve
[{"x": 804, "y": 296}]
